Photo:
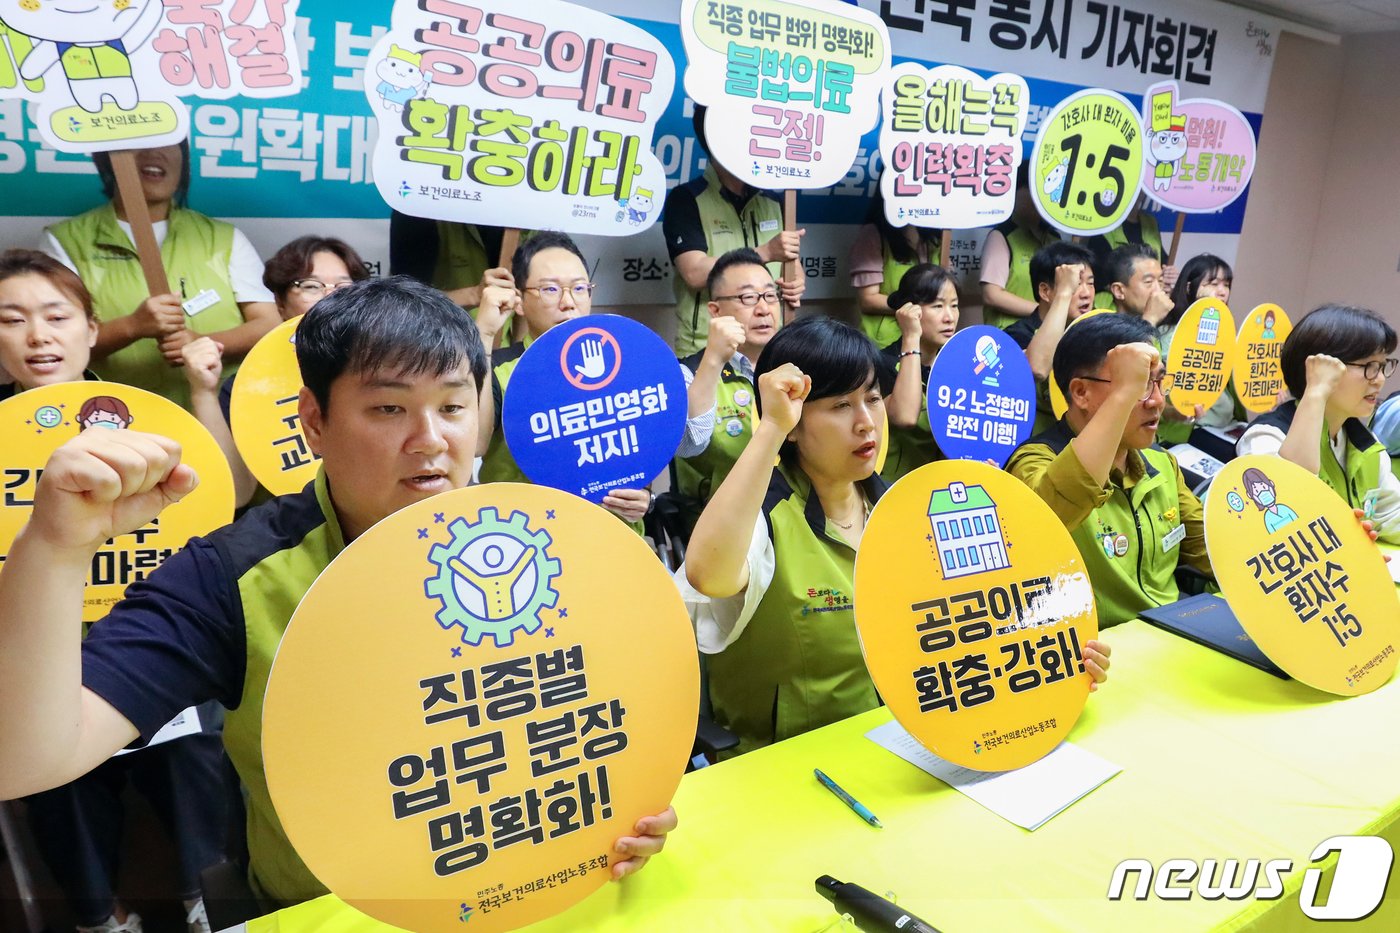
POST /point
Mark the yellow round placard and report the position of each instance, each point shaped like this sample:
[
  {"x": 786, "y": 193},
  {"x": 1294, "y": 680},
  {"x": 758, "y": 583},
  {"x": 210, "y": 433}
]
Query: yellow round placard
[
  {"x": 1201, "y": 356},
  {"x": 973, "y": 606},
  {"x": 1258, "y": 377},
  {"x": 37, "y": 422},
  {"x": 473, "y": 702},
  {"x": 263, "y": 413},
  {"x": 1307, "y": 584},
  {"x": 1086, "y": 167}
]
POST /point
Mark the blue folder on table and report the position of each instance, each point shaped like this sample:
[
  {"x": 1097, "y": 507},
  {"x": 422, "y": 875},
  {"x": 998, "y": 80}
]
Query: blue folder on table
[{"x": 1208, "y": 620}]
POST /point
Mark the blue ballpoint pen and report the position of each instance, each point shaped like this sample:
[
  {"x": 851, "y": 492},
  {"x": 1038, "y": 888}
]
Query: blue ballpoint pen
[{"x": 847, "y": 799}]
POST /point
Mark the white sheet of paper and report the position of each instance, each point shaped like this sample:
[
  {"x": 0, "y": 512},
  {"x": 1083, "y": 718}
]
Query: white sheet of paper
[
  {"x": 1028, "y": 796},
  {"x": 1196, "y": 460},
  {"x": 186, "y": 722},
  {"x": 1394, "y": 567}
]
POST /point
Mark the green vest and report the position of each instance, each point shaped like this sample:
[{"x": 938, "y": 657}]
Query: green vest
[
  {"x": 196, "y": 253},
  {"x": 907, "y": 449},
  {"x": 798, "y": 665},
  {"x": 1022, "y": 244},
  {"x": 270, "y": 591},
  {"x": 725, "y": 229},
  {"x": 81, "y": 62},
  {"x": 884, "y": 328},
  {"x": 700, "y": 476},
  {"x": 1361, "y": 471},
  {"x": 1151, "y": 236},
  {"x": 1145, "y": 574},
  {"x": 461, "y": 256}
]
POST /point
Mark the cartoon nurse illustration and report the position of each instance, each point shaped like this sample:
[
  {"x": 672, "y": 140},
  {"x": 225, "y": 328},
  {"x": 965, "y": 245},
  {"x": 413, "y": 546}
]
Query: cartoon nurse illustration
[
  {"x": 1260, "y": 490},
  {"x": 93, "y": 45},
  {"x": 1268, "y": 333},
  {"x": 104, "y": 411},
  {"x": 1166, "y": 144}
]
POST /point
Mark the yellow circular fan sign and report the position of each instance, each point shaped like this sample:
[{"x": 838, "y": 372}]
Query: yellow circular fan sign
[
  {"x": 1201, "y": 356},
  {"x": 1307, "y": 584},
  {"x": 473, "y": 702},
  {"x": 263, "y": 413},
  {"x": 1086, "y": 167},
  {"x": 1258, "y": 377},
  {"x": 1057, "y": 398},
  {"x": 973, "y": 606},
  {"x": 37, "y": 422}
]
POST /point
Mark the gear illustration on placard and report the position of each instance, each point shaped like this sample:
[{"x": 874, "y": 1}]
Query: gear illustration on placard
[{"x": 494, "y": 577}]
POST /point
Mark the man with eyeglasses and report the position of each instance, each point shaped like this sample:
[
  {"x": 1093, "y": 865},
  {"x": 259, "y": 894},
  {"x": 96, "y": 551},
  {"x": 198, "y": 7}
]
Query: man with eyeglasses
[
  {"x": 1125, "y": 503},
  {"x": 744, "y": 307},
  {"x": 551, "y": 278}
]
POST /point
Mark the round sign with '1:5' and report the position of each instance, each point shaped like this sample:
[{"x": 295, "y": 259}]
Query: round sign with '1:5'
[{"x": 1086, "y": 167}]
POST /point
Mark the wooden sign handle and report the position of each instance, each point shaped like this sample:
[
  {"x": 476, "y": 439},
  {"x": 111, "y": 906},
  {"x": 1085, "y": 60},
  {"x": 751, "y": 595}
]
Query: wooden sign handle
[
  {"x": 1176, "y": 239},
  {"x": 133, "y": 201},
  {"x": 945, "y": 245},
  {"x": 792, "y": 268}
]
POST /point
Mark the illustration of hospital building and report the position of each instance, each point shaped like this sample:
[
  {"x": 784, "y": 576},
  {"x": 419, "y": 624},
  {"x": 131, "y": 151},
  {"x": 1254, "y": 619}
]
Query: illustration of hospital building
[{"x": 966, "y": 531}]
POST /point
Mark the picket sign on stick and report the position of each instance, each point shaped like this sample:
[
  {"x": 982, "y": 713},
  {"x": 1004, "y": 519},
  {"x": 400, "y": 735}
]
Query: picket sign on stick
[
  {"x": 133, "y": 201},
  {"x": 792, "y": 268},
  {"x": 945, "y": 244},
  {"x": 1176, "y": 239}
]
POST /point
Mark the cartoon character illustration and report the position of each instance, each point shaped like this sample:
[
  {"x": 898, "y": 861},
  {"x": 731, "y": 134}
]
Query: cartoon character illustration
[
  {"x": 401, "y": 78},
  {"x": 1166, "y": 143},
  {"x": 93, "y": 45},
  {"x": 1260, "y": 490},
  {"x": 497, "y": 580},
  {"x": 104, "y": 411},
  {"x": 638, "y": 206},
  {"x": 1268, "y": 333},
  {"x": 1055, "y": 180}
]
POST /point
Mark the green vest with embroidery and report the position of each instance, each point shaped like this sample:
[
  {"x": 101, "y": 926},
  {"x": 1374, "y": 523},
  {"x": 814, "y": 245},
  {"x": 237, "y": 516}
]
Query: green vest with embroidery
[
  {"x": 1143, "y": 514},
  {"x": 797, "y": 666},
  {"x": 81, "y": 62},
  {"x": 1151, "y": 236},
  {"x": 196, "y": 253},
  {"x": 759, "y": 221},
  {"x": 270, "y": 591},
  {"x": 884, "y": 328},
  {"x": 700, "y": 476},
  {"x": 1358, "y": 474},
  {"x": 1021, "y": 243}
]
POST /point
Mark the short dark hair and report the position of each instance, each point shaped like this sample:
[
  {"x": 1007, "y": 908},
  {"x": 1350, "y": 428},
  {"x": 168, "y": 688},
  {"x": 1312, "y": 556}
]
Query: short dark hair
[
  {"x": 744, "y": 256},
  {"x": 1344, "y": 331},
  {"x": 1050, "y": 257},
  {"x": 1119, "y": 265},
  {"x": 294, "y": 261},
  {"x": 1197, "y": 270},
  {"x": 920, "y": 285},
  {"x": 108, "y": 176},
  {"x": 1086, "y": 343},
  {"x": 395, "y": 323},
  {"x": 537, "y": 243},
  {"x": 838, "y": 357},
  {"x": 15, "y": 262}
]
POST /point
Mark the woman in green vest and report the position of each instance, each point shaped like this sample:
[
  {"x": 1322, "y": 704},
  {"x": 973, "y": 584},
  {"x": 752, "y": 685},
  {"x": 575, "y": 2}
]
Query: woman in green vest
[
  {"x": 880, "y": 255},
  {"x": 1007, "y": 293},
  {"x": 1203, "y": 276},
  {"x": 47, "y": 329},
  {"x": 927, "y": 303},
  {"x": 1335, "y": 363},
  {"x": 214, "y": 273}
]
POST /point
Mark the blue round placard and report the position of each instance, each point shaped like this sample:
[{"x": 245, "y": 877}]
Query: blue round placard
[
  {"x": 596, "y": 404},
  {"x": 981, "y": 396}
]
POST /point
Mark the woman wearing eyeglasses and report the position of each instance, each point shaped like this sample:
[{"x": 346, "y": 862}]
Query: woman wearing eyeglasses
[
  {"x": 1335, "y": 363},
  {"x": 140, "y": 335},
  {"x": 301, "y": 273}
]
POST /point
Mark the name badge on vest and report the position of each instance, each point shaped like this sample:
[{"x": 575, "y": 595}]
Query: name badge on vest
[
  {"x": 201, "y": 302},
  {"x": 768, "y": 226},
  {"x": 1172, "y": 538}
]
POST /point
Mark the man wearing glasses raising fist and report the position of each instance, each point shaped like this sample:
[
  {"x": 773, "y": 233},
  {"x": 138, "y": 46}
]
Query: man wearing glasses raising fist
[
  {"x": 1124, "y": 502},
  {"x": 744, "y": 307},
  {"x": 553, "y": 285}
]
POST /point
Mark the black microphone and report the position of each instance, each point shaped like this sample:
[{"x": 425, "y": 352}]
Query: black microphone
[{"x": 871, "y": 912}]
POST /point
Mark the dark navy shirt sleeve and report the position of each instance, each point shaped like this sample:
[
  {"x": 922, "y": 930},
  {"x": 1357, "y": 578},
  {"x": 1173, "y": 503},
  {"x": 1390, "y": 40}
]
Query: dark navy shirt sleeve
[
  {"x": 226, "y": 399},
  {"x": 177, "y": 639},
  {"x": 680, "y": 223}
]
